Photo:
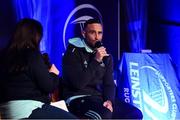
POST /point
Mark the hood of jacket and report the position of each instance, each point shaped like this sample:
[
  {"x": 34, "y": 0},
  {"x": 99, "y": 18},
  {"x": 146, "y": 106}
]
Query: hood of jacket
[{"x": 80, "y": 43}]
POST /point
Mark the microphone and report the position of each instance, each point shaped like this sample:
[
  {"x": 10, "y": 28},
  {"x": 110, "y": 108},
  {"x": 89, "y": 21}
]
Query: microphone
[
  {"x": 47, "y": 60},
  {"x": 98, "y": 44}
]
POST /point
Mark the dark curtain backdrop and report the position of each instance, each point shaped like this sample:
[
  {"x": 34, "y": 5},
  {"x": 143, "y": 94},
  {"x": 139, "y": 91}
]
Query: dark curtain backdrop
[
  {"x": 52, "y": 14},
  {"x": 61, "y": 20},
  {"x": 7, "y": 22},
  {"x": 134, "y": 24}
]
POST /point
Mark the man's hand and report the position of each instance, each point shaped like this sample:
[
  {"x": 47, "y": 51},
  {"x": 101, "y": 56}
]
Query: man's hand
[
  {"x": 108, "y": 105},
  {"x": 100, "y": 53}
]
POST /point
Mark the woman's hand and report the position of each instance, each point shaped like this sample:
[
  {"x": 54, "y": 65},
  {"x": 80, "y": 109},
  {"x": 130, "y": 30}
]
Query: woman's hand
[{"x": 54, "y": 70}]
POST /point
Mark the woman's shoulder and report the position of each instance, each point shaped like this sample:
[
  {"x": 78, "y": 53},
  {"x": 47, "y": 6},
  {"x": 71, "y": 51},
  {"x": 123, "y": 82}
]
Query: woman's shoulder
[{"x": 33, "y": 55}]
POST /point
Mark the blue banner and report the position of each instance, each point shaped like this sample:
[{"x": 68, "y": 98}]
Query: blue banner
[{"x": 149, "y": 82}]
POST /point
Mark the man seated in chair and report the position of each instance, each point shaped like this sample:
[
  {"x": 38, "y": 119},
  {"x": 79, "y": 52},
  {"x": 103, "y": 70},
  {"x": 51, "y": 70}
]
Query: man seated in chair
[{"x": 89, "y": 88}]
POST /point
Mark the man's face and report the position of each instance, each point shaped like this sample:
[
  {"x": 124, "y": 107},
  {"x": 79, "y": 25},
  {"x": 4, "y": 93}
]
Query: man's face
[{"x": 93, "y": 33}]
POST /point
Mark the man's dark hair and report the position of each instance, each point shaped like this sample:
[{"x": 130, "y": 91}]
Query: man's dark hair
[{"x": 91, "y": 21}]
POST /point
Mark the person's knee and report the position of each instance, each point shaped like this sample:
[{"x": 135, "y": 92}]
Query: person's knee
[
  {"x": 135, "y": 114},
  {"x": 104, "y": 114},
  {"x": 123, "y": 110},
  {"x": 139, "y": 114}
]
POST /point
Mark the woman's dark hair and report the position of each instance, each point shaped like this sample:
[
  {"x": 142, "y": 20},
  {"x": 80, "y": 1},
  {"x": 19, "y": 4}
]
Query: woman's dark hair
[
  {"x": 26, "y": 37},
  {"x": 28, "y": 33}
]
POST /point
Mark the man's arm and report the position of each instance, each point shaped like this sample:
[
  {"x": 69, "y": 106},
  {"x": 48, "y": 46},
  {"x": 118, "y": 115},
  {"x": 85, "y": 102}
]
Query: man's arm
[
  {"x": 108, "y": 105},
  {"x": 108, "y": 81}
]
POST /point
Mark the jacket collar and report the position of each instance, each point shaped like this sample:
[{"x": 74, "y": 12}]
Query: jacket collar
[{"x": 78, "y": 42}]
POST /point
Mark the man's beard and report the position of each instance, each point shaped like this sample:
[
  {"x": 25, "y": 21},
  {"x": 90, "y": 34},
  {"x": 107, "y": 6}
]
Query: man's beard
[{"x": 90, "y": 44}]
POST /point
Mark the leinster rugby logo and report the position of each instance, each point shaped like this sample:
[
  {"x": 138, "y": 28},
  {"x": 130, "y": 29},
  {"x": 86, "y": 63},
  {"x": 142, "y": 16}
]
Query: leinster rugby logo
[
  {"x": 76, "y": 19},
  {"x": 157, "y": 96}
]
